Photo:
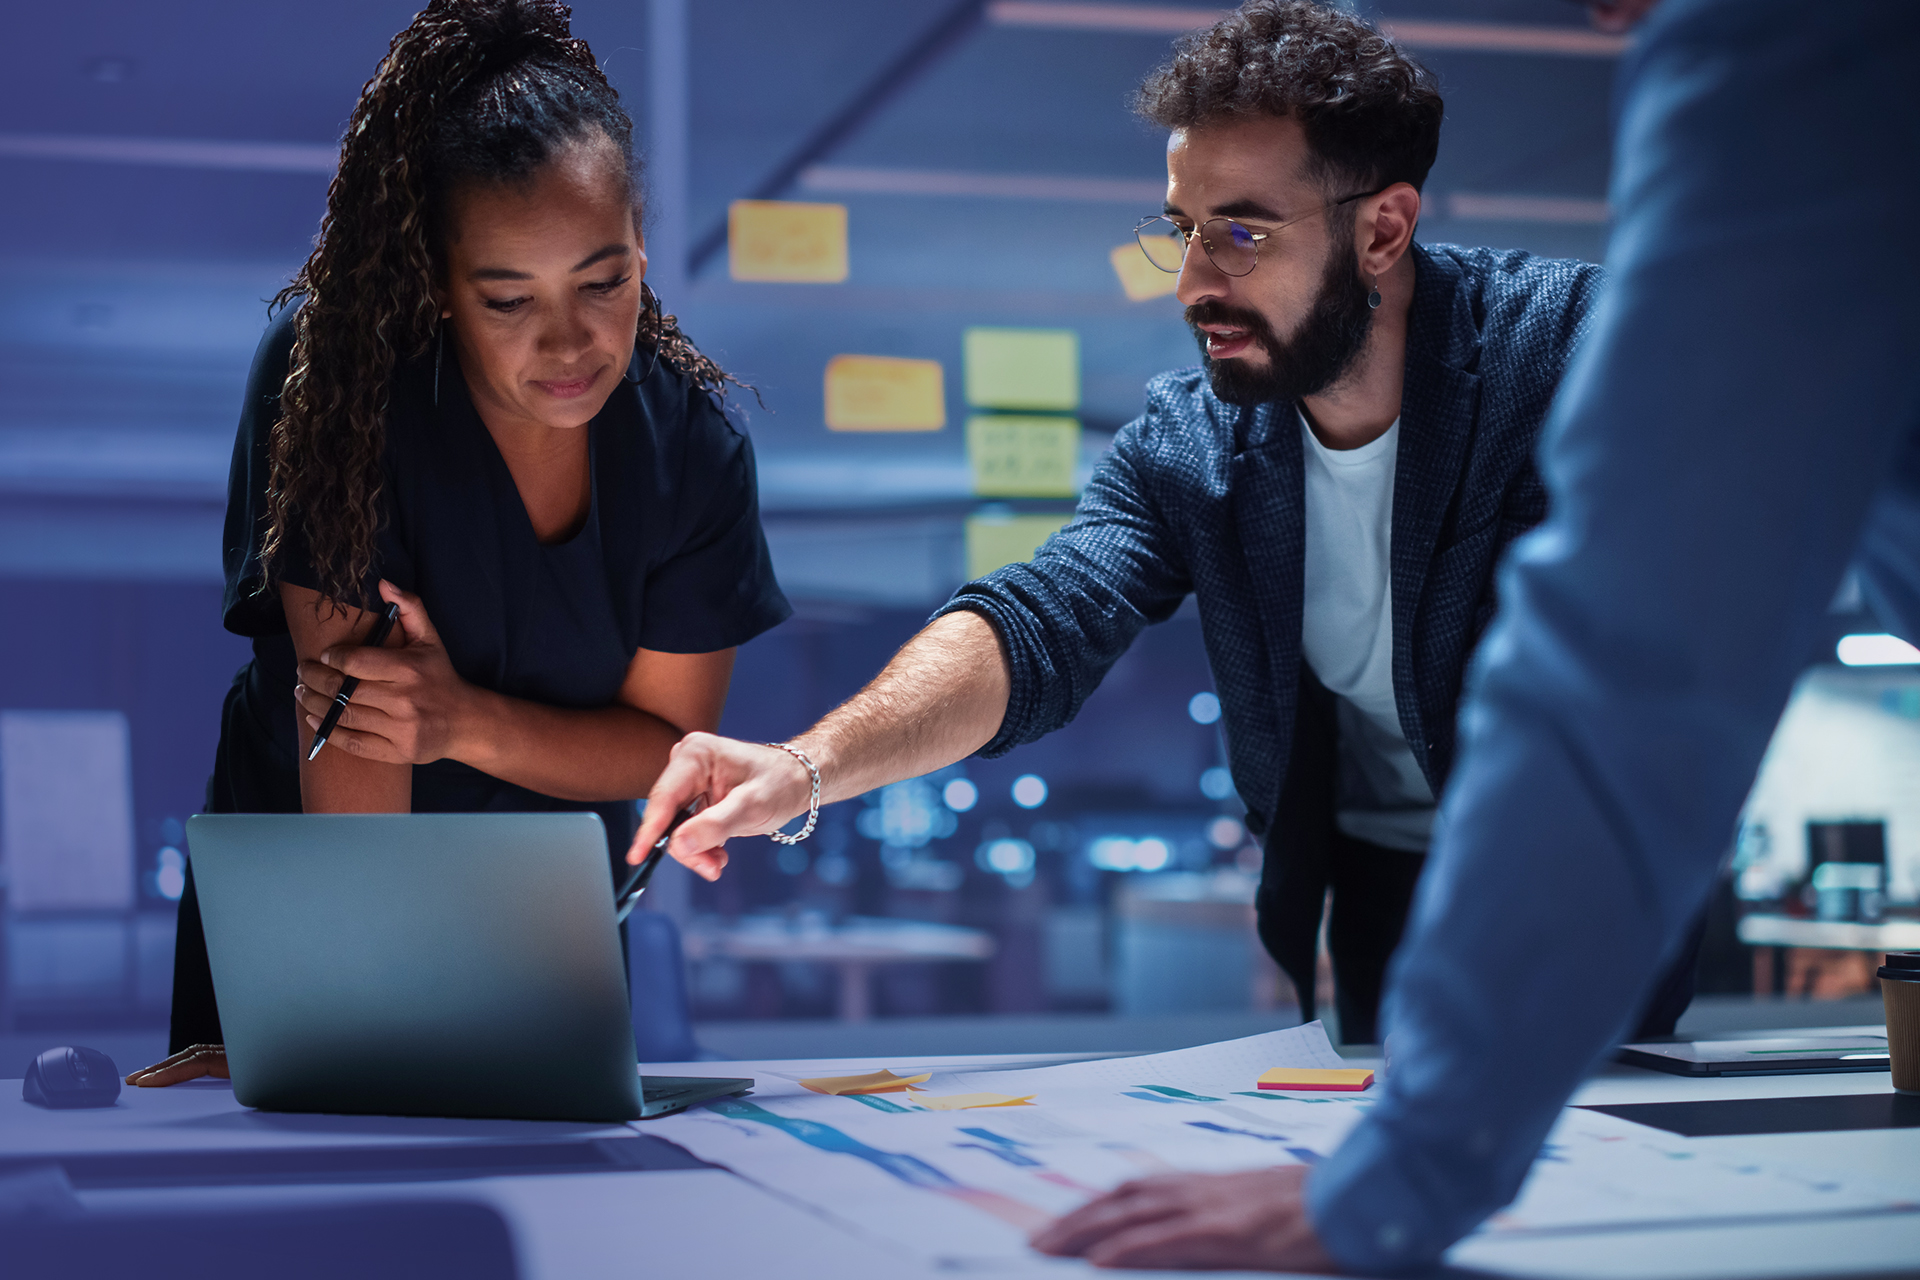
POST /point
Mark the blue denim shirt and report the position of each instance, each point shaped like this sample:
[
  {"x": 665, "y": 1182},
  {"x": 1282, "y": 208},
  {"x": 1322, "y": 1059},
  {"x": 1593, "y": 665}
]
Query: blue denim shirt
[{"x": 1744, "y": 423}]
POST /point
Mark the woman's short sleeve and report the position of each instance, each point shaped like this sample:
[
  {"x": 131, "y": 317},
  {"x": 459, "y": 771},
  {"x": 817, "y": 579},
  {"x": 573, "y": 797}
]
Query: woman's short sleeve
[
  {"x": 250, "y": 609},
  {"x": 714, "y": 589}
]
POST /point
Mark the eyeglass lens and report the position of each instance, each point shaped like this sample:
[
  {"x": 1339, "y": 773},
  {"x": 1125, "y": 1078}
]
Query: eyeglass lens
[{"x": 1228, "y": 245}]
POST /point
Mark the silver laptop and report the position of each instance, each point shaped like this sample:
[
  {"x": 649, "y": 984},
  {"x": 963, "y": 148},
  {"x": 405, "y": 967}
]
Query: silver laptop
[{"x": 424, "y": 964}]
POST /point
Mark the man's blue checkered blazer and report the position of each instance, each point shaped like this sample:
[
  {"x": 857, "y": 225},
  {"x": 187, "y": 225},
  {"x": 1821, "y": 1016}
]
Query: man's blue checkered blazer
[{"x": 1200, "y": 496}]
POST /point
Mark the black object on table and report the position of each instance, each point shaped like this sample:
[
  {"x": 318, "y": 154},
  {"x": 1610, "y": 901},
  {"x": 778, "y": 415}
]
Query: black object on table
[
  {"x": 71, "y": 1077},
  {"x": 1727, "y": 1117}
]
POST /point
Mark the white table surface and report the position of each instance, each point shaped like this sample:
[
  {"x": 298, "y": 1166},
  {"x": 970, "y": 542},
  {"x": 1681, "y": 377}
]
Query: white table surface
[{"x": 708, "y": 1223}]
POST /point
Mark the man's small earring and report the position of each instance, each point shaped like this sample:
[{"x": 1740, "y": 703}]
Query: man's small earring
[{"x": 1373, "y": 299}]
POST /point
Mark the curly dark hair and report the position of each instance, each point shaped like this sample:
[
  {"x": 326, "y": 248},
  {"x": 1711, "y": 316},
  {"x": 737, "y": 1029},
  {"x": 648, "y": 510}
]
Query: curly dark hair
[
  {"x": 1371, "y": 114},
  {"x": 471, "y": 91}
]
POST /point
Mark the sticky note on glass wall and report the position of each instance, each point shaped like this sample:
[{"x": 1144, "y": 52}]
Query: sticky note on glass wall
[
  {"x": 1023, "y": 368},
  {"x": 1140, "y": 278},
  {"x": 1014, "y": 456},
  {"x": 787, "y": 241},
  {"x": 884, "y": 393},
  {"x": 996, "y": 540}
]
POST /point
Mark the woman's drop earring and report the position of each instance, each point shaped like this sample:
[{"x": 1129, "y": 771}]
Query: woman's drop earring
[
  {"x": 439, "y": 349},
  {"x": 1373, "y": 299}
]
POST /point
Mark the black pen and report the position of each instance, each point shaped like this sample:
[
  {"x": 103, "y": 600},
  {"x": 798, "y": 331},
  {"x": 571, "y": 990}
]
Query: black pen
[
  {"x": 381, "y": 630},
  {"x": 628, "y": 893}
]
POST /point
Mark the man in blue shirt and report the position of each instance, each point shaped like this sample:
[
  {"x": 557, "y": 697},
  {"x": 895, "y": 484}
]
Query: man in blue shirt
[{"x": 1334, "y": 487}]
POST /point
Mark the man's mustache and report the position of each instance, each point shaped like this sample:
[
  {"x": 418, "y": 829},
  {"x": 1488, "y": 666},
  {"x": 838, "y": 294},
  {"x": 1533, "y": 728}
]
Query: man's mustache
[{"x": 1211, "y": 312}]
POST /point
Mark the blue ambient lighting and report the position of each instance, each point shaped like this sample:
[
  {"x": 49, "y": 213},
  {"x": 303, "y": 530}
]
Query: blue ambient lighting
[
  {"x": 960, "y": 795},
  {"x": 1029, "y": 791},
  {"x": 1117, "y": 853},
  {"x": 1204, "y": 708}
]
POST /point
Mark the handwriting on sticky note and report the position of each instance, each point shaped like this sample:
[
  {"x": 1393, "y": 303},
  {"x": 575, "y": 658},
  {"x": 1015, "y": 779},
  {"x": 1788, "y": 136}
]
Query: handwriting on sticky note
[
  {"x": 972, "y": 1101},
  {"x": 1318, "y": 1079},
  {"x": 993, "y": 541},
  {"x": 1022, "y": 368},
  {"x": 1140, "y": 278},
  {"x": 884, "y": 393},
  {"x": 882, "y": 1081},
  {"x": 1023, "y": 457},
  {"x": 787, "y": 241}
]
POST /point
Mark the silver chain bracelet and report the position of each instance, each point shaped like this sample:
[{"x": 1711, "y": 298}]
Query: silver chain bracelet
[{"x": 813, "y": 801}]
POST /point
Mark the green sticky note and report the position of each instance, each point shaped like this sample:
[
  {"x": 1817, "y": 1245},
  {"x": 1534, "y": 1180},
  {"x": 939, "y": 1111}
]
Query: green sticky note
[
  {"x": 996, "y": 540},
  {"x": 1015, "y": 456},
  {"x": 1023, "y": 368}
]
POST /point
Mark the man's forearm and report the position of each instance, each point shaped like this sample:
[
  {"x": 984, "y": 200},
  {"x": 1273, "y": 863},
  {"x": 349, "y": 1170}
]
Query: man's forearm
[{"x": 941, "y": 699}]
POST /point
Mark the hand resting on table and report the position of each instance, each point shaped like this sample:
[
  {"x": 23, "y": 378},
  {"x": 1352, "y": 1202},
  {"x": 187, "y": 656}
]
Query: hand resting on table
[{"x": 188, "y": 1064}]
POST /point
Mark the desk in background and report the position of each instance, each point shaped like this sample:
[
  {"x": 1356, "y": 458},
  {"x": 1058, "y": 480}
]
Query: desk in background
[{"x": 854, "y": 949}]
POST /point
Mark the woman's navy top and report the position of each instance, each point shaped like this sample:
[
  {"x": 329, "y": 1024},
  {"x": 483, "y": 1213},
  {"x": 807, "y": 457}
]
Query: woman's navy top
[{"x": 671, "y": 558}]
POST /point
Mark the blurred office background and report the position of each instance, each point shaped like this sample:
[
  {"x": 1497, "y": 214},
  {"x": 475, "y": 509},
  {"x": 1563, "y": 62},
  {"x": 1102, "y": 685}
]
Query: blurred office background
[{"x": 165, "y": 168}]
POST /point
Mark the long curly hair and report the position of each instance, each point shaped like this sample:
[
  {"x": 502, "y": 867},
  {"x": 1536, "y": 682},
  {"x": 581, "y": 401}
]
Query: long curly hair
[{"x": 471, "y": 91}]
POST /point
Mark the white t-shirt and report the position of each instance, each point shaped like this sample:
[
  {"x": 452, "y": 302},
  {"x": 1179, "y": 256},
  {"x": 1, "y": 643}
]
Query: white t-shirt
[{"x": 1346, "y": 636}]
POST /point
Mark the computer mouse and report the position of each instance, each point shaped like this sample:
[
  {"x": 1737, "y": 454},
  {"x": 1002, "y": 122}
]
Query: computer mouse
[{"x": 71, "y": 1077}]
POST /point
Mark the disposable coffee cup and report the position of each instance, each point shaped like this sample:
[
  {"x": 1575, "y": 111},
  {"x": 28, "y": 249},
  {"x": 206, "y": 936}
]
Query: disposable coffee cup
[{"x": 1900, "y": 990}]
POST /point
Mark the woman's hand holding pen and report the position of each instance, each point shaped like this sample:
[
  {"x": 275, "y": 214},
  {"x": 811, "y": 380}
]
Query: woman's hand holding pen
[{"x": 411, "y": 706}]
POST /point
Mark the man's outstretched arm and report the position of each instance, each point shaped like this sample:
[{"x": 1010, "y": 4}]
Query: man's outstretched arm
[
  {"x": 941, "y": 699},
  {"x": 1011, "y": 657}
]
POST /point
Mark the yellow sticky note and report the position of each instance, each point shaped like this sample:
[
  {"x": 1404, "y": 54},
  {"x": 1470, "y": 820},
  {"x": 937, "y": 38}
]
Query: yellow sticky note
[
  {"x": 970, "y": 1101},
  {"x": 787, "y": 241},
  {"x": 1023, "y": 368},
  {"x": 1022, "y": 457},
  {"x": 882, "y": 1081},
  {"x": 993, "y": 541},
  {"x": 883, "y": 393},
  {"x": 1318, "y": 1079},
  {"x": 1140, "y": 278}
]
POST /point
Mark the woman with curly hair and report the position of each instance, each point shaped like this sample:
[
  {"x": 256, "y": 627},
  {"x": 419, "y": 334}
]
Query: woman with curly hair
[{"x": 471, "y": 407}]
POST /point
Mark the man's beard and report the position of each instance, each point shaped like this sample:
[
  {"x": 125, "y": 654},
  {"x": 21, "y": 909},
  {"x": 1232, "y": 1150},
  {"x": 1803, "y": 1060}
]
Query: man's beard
[{"x": 1320, "y": 352}]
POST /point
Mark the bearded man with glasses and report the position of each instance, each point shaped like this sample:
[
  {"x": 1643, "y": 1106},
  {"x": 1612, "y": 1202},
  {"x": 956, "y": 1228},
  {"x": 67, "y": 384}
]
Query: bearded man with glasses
[{"x": 1335, "y": 485}]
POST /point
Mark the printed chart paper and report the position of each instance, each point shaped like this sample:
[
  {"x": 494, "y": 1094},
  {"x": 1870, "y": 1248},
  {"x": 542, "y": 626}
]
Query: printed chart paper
[{"x": 964, "y": 1189}]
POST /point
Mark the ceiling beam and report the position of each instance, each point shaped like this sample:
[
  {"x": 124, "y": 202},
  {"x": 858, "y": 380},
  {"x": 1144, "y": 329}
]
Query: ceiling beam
[
  {"x": 939, "y": 39},
  {"x": 847, "y": 180},
  {"x": 178, "y": 153},
  {"x": 1472, "y": 37}
]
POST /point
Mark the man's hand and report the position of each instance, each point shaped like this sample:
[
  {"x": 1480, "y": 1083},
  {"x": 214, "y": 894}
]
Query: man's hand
[
  {"x": 1254, "y": 1221},
  {"x": 410, "y": 702},
  {"x": 188, "y": 1064},
  {"x": 750, "y": 790}
]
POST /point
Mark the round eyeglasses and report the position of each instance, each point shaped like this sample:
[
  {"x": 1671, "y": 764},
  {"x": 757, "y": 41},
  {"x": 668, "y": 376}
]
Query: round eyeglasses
[{"x": 1233, "y": 249}]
